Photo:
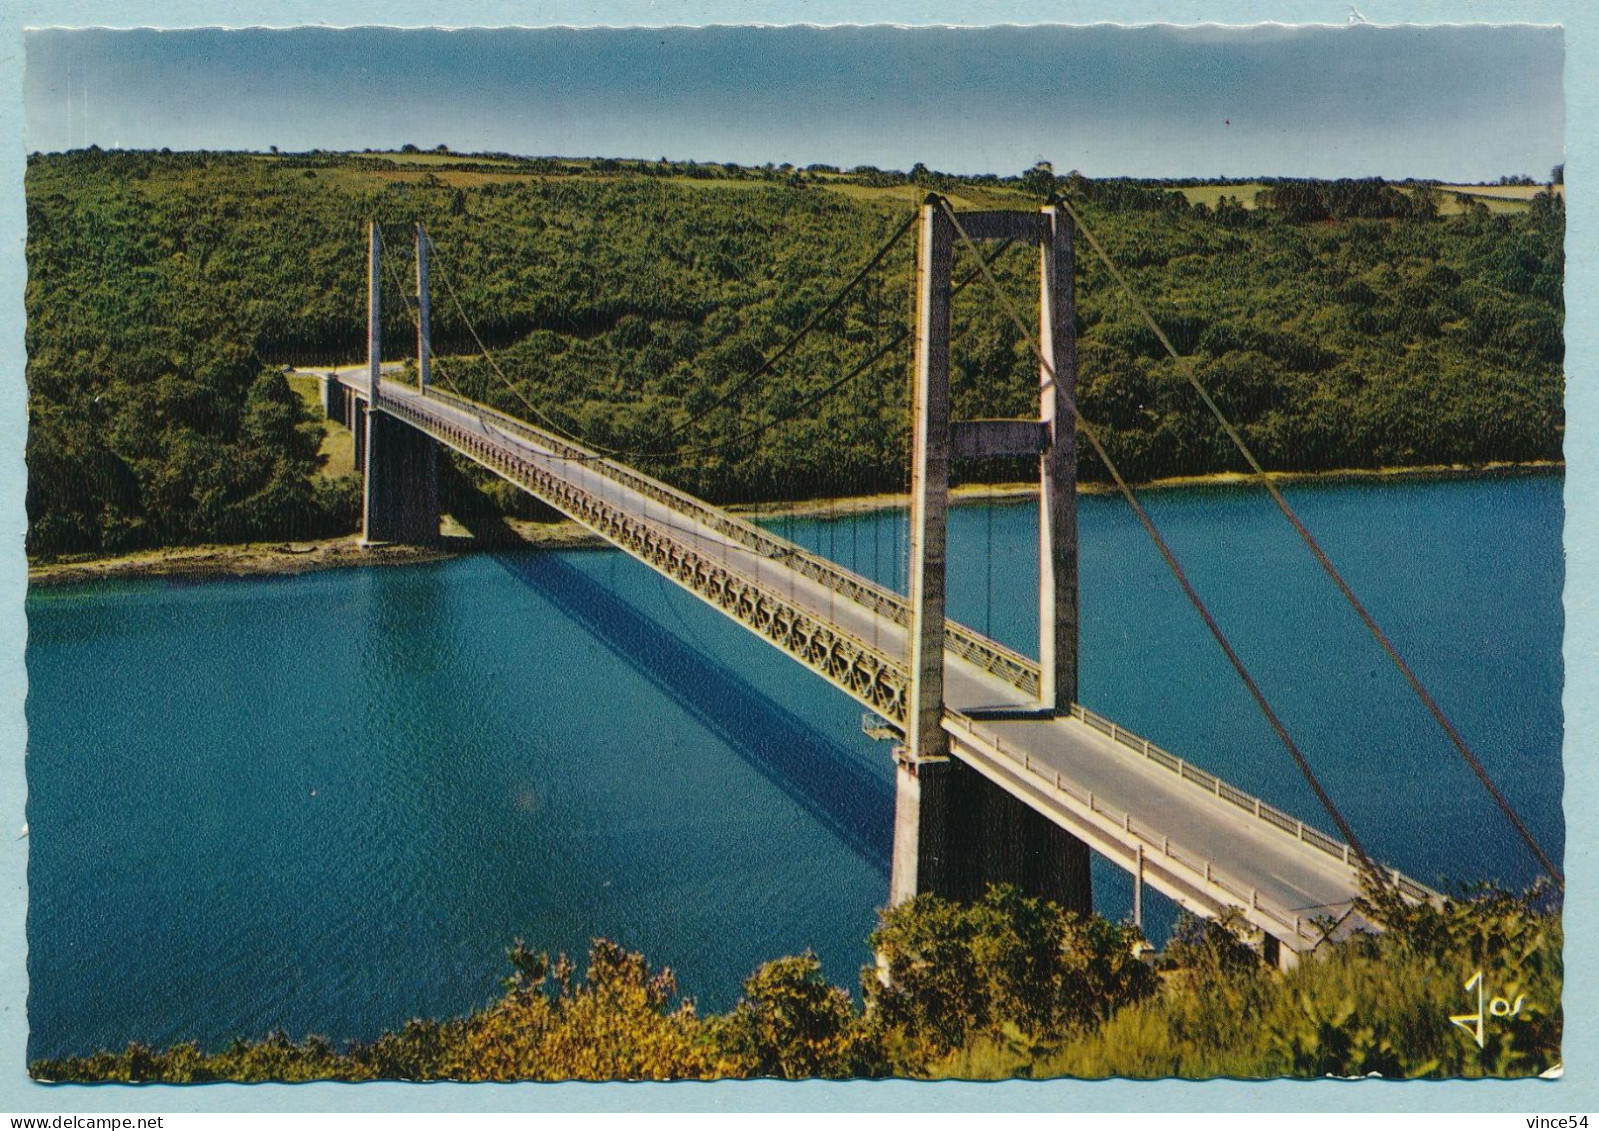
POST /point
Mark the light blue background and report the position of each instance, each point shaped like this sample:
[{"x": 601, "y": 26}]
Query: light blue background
[{"x": 1576, "y": 1092}]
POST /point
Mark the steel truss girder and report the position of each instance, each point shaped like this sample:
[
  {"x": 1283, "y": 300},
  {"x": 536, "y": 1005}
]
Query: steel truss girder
[
  {"x": 868, "y": 675},
  {"x": 1013, "y": 667}
]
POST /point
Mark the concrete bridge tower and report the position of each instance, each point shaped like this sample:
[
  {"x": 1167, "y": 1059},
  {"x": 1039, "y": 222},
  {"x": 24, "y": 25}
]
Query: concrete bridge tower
[
  {"x": 400, "y": 464},
  {"x": 955, "y": 831}
]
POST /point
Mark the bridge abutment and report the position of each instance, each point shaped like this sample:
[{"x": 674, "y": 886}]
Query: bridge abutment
[
  {"x": 335, "y": 399},
  {"x": 399, "y": 464},
  {"x": 357, "y": 426}
]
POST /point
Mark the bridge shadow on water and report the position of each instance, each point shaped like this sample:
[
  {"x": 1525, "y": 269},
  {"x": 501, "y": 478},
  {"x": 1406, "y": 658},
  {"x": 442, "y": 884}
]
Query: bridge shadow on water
[{"x": 818, "y": 773}]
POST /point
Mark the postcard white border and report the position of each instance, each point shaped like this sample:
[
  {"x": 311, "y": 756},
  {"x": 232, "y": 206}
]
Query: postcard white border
[{"x": 1576, "y": 1091}]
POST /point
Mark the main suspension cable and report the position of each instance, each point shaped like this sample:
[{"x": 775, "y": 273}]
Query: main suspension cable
[
  {"x": 439, "y": 372},
  {"x": 399, "y": 283},
  {"x": 789, "y": 414},
  {"x": 1185, "y": 364},
  {"x": 1172, "y": 564},
  {"x": 564, "y": 432}
]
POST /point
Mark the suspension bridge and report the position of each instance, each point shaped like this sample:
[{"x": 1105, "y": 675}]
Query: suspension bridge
[{"x": 1001, "y": 776}]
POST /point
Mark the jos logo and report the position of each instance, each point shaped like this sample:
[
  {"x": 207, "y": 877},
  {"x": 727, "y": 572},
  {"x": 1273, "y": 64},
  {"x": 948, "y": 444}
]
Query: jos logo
[{"x": 1498, "y": 1007}]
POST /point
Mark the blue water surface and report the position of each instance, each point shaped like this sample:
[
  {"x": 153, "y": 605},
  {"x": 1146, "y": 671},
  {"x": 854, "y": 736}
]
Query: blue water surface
[{"x": 328, "y": 803}]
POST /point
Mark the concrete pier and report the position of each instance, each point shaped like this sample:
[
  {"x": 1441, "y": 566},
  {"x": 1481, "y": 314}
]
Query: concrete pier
[
  {"x": 399, "y": 465},
  {"x": 400, "y": 502},
  {"x": 956, "y": 832},
  {"x": 929, "y": 517},
  {"x": 1057, "y": 468},
  {"x": 335, "y": 399},
  {"x": 424, "y": 318}
]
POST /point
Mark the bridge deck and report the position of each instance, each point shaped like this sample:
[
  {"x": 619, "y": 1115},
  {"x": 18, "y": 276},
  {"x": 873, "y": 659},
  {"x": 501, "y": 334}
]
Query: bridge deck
[{"x": 1198, "y": 840}]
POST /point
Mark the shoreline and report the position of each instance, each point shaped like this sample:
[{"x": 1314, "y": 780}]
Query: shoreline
[
  {"x": 259, "y": 559},
  {"x": 981, "y": 492}
]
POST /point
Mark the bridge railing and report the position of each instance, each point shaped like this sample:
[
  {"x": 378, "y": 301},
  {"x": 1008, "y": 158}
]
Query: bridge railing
[
  {"x": 1009, "y": 665},
  {"x": 1198, "y": 873},
  {"x": 856, "y": 667},
  {"x": 1261, "y": 810}
]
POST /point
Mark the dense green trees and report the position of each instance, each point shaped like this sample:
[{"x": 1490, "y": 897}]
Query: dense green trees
[
  {"x": 154, "y": 417},
  {"x": 791, "y": 1023},
  {"x": 1370, "y": 198},
  {"x": 1346, "y": 323}
]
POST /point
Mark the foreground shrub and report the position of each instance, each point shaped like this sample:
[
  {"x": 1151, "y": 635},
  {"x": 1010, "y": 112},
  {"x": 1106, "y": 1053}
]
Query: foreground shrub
[
  {"x": 620, "y": 1023},
  {"x": 792, "y": 1023},
  {"x": 1005, "y": 967}
]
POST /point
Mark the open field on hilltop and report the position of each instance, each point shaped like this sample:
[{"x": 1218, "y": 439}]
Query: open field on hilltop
[
  {"x": 356, "y": 178},
  {"x": 909, "y": 196},
  {"x": 1498, "y": 198},
  {"x": 635, "y": 309},
  {"x": 1208, "y": 195},
  {"x": 431, "y": 157},
  {"x": 1504, "y": 199},
  {"x": 1452, "y": 205},
  {"x": 1523, "y": 193}
]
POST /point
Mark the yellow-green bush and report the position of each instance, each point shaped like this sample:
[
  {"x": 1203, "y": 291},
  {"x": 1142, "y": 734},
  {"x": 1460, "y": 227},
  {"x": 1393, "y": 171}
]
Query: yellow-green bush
[{"x": 1372, "y": 1004}]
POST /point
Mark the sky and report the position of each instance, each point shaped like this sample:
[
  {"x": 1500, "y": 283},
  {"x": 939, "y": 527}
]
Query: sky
[{"x": 1455, "y": 103}]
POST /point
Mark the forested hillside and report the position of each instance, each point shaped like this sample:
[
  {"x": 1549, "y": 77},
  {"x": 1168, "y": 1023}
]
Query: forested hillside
[{"x": 1345, "y": 324}]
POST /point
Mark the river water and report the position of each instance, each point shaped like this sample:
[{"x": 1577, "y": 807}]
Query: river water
[{"x": 329, "y": 803}]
